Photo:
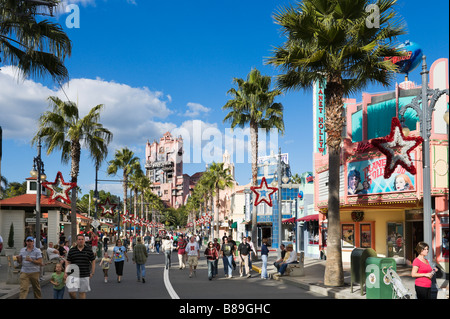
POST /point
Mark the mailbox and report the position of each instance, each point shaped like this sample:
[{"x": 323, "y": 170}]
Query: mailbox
[{"x": 358, "y": 266}]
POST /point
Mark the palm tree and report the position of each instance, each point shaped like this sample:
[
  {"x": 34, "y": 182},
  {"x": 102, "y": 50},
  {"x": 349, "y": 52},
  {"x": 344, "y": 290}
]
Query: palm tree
[
  {"x": 35, "y": 45},
  {"x": 253, "y": 104},
  {"x": 331, "y": 41},
  {"x": 123, "y": 159},
  {"x": 63, "y": 129},
  {"x": 219, "y": 178}
]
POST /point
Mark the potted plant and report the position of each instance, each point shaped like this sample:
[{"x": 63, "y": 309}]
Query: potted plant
[{"x": 10, "y": 250}]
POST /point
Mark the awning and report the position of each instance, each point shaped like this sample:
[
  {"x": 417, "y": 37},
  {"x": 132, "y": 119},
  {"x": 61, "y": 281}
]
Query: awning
[
  {"x": 309, "y": 218},
  {"x": 289, "y": 220}
]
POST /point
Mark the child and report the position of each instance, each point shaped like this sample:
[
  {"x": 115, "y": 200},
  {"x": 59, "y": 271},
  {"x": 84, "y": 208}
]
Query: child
[
  {"x": 106, "y": 261},
  {"x": 58, "y": 282}
]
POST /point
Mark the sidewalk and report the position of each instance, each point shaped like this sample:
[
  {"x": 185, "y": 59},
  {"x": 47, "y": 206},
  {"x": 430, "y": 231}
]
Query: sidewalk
[{"x": 314, "y": 278}]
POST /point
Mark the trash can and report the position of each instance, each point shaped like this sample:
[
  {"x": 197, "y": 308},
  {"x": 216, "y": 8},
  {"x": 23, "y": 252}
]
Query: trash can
[
  {"x": 358, "y": 266},
  {"x": 378, "y": 285}
]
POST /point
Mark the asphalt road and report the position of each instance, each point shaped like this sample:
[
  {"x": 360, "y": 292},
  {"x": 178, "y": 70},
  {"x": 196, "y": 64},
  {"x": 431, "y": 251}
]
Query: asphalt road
[{"x": 175, "y": 283}]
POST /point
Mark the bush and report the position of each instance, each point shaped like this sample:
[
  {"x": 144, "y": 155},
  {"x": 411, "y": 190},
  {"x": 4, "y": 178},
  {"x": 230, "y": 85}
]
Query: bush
[{"x": 11, "y": 236}]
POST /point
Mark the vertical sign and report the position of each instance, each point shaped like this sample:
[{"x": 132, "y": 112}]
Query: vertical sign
[{"x": 319, "y": 117}]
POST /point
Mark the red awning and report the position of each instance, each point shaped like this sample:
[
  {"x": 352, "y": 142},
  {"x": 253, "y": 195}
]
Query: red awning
[
  {"x": 309, "y": 218},
  {"x": 289, "y": 220}
]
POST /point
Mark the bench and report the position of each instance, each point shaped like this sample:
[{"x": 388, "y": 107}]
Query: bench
[
  {"x": 48, "y": 265},
  {"x": 13, "y": 271},
  {"x": 296, "y": 270}
]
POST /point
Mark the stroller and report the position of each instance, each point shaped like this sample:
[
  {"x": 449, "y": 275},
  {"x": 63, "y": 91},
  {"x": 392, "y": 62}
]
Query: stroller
[{"x": 399, "y": 291}]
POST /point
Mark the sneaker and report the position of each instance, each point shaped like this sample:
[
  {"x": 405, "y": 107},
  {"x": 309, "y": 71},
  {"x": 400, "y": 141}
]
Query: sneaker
[
  {"x": 248, "y": 276},
  {"x": 106, "y": 279},
  {"x": 143, "y": 280},
  {"x": 240, "y": 275},
  {"x": 190, "y": 275}
]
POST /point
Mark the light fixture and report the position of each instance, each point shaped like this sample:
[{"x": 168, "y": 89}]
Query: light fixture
[{"x": 405, "y": 128}]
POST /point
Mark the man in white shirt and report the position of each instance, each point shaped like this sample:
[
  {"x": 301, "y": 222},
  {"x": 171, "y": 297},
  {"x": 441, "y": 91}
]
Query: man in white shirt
[
  {"x": 193, "y": 253},
  {"x": 53, "y": 253},
  {"x": 292, "y": 259}
]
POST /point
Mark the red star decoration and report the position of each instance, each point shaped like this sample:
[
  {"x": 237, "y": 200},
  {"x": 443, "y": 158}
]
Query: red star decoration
[
  {"x": 263, "y": 192},
  {"x": 107, "y": 207},
  {"x": 397, "y": 149},
  {"x": 59, "y": 189}
]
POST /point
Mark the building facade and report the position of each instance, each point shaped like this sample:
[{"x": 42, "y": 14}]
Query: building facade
[{"x": 387, "y": 214}]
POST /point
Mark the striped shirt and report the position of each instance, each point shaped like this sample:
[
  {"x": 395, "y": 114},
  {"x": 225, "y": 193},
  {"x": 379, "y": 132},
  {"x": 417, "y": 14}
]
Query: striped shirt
[{"x": 81, "y": 258}]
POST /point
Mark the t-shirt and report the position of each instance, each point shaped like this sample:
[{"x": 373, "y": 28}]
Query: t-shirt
[
  {"x": 181, "y": 246},
  {"x": 227, "y": 249},
  {"x": 244, "y": 249},
  {"x": 59, "y": 278},
  {"x": 29, "y": 266},
  {"x": 105, "y": 263},
  {"x": 51, "y": 253},
  {"x": 192, "y": 249},
  {"x": 424, "y": 268},
  {"x": 82, "y": 258},
  {"x": 119, "y": 253}
]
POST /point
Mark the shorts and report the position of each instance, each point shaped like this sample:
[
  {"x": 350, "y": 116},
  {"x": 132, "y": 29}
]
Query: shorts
[
  {"x": 192, "y": 261},
  {"x": 77, "y": 284}
]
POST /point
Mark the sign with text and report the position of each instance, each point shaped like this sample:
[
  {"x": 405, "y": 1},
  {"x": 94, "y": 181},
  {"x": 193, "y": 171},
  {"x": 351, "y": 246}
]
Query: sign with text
[
  {"x": 366, "y": 177},
  {"x": 319, "y": 117}
]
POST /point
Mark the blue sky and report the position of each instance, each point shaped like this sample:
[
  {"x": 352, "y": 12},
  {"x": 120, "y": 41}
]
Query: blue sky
[{"x": 167, "y": 66}]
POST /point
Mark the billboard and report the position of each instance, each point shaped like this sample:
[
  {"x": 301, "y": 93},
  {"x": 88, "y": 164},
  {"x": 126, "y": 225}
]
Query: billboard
[{"x": 366, "y": 177}]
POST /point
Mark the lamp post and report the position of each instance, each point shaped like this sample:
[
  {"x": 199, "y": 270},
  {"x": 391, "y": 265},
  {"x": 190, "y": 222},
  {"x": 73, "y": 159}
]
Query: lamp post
[
  {"x": 424, "y": 105},
  {"x": 38, "y": 172}
]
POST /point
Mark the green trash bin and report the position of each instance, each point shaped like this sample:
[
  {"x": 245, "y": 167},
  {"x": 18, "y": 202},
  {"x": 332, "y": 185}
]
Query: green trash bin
[{"x": 378, "y": 285}]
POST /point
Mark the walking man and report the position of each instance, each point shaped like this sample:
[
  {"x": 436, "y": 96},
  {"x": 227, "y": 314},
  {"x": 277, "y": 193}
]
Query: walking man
[
  {"x": 227, "y": 255},
  {"x": 193, "y": 253},
  {"x": 80, "y": 265},
  {"x": 244, "y": 253},
  {"x": 140, "y": 258},
  {"x": 31, "y": 259}
]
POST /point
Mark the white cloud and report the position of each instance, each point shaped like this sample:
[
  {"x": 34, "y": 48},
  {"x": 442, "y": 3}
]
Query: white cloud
[
  {"x": 194, "y": 109},
  {"x": 130, "y": 113}
]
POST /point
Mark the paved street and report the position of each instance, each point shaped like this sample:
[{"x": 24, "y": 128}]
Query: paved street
[{"x": 198, "y": 287}]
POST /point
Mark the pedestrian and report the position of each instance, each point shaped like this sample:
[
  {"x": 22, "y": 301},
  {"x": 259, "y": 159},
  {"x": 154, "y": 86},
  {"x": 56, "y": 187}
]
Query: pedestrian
[
  {"x": 31, "y": 259},
  {"x": 152, "y": 244},
  {"x": 212, "y": 255},
  {"x": 423, "y": 272},
  {"x": 244, "y": 253},
  {"x": 264, "y": 258},
  {"x": 147, "y": 240},
  {"x": 94, "y": 243},
  {"x": 233, "y": 260},
  {"x": 216, "y": 262},
  {"x": 119, "y": 255},
  {"x": 167, "y": 247},
  {"x": 140, "y": 258},
  {"x": 193, "y": 254},
  {"x": 181, "y": 249},
  {"x": 1, "y": 244},
  {"x": 58, "y": 282},
  {"x": 227, "y": 253},
  {"x": 105, "y": 263},
  {"x": 157, "y": 243},
  {"x": 280, "y": 260},
  {"x": 252, "y": 251},
  {"x": 105, "y": 243},
  {"x": 82, "y": 257}
]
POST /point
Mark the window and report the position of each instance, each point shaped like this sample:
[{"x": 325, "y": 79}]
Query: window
[
  {"x": 348, "y": 235},
  {"x": 395, "y": 240}
]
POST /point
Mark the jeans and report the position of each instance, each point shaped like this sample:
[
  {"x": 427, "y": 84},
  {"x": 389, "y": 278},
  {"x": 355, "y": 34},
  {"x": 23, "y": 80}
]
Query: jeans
[
  {"x": 58, "y": 293},
  {"x": 167, "y": 255},
  {"x": 140, "y": 271},
  {"x": 227, "y": 265},
  {"x": 210, "y": 269},
  {"x": 215, "y": 268},
  {"x": 284, "y": 266},
  {"x": 264, "y": 267}
]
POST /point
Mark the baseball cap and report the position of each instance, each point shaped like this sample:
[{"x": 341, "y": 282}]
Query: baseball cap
[{"x": 29, "y": 238}]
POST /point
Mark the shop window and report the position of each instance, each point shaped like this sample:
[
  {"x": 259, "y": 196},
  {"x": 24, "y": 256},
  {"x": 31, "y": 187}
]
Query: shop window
[
  {"x": 313, "y": 233},
  {"x": 444, "y": 236},
  {"x": 348, "y": 235},
  {"x": 395, "y": 240},
  {"x": 365, "y": 233}
]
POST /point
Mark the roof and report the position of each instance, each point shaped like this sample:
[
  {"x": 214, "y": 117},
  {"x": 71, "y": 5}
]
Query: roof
[{"x": 29, "y": 200}]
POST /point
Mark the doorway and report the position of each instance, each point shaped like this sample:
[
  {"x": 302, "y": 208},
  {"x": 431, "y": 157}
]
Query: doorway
[{"x": 414, "y": 235}]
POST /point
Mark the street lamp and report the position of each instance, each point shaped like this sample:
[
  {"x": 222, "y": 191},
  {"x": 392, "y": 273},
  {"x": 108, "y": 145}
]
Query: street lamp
[
  {"x": 38, "y": 172},
  {"x": 424, "y": 104}
]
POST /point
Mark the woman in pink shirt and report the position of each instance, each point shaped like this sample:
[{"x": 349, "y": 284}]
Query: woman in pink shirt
[{"x": 423, "y": 272}]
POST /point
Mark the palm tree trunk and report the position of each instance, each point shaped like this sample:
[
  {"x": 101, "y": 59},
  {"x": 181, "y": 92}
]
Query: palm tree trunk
[
  {"x": 75, "y": 152},
  {"x": 254, "y": 145},
  {"x": 334, "y": 273}
]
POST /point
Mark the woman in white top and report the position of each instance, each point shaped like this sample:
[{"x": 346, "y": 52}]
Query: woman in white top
[{"x": 167, "y": 246}]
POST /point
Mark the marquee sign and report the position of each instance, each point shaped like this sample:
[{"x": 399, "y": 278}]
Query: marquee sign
[{"x": 319, "y": 117}]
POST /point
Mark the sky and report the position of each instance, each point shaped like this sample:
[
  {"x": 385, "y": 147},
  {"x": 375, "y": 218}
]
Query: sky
[{"x": 161, "y": 66}]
